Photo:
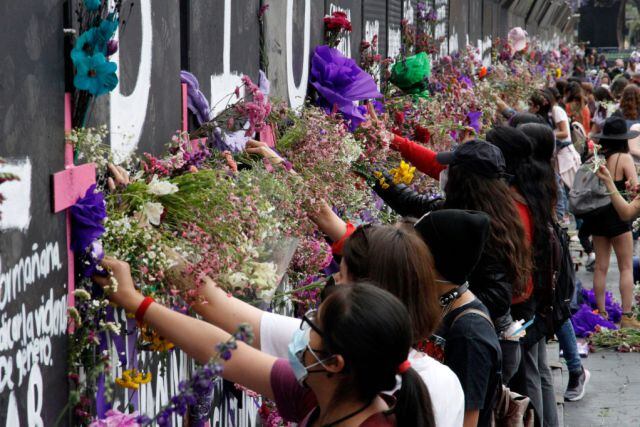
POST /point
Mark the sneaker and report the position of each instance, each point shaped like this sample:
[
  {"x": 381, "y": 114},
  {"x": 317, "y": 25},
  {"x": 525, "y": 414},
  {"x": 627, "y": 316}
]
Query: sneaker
[
  {"x": 629, "y": 321},
  {"x": 577, "y": 385},
  {"x": 591, "y": 262}
]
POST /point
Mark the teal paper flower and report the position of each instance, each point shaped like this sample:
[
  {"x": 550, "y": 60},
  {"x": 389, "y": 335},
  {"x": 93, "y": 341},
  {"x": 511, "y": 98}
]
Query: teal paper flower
[
  {"x": 95, "y": 39},
  {"x": 105, "y": 31},
  {"x": 84, "y": 46},
  {"x": 92, "y": 5},
  {"x": 96, "y": 75}
]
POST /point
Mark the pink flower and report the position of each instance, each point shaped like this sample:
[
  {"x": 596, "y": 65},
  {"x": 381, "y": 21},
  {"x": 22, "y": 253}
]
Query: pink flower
[{"x": 115, "y": 418}]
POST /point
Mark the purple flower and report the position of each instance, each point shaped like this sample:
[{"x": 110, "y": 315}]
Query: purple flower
[
  {"x": 112, "y": 47},
  {"x": 87, "y": 217},
  {"x": 196, "y": 101},
  {"x": 466, "y": 81},
  {"x": 585, "y": 321},
  {"x": 475, "y": 120},
  {"x": 614, "y": 310},
  {"x": 340, "y": 83}
]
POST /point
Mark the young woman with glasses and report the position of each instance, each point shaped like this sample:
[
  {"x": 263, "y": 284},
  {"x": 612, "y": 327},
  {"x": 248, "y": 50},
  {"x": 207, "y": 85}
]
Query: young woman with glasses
[{"x": 340, "y": 361}]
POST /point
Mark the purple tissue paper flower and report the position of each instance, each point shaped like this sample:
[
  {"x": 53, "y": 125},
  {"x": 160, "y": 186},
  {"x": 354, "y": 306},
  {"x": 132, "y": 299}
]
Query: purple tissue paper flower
[
  {"x": 87, "y": 218},
  {"x": 475, "y": 120},
  {"x": 196, "y": 101},
  {"x": 340, "y": 83},
  {"x": 584, "y": 321},
  {"x": 614, "y": 310}
]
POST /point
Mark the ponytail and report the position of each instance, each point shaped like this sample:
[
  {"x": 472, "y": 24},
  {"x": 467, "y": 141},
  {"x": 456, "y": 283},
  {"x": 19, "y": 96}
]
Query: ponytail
[
  {"x": 413, "y": 405},
  {"x": 371, "y": 329}
]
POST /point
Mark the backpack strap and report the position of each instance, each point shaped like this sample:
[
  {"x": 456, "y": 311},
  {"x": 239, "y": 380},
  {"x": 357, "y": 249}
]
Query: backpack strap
[{"x": 472, "y": 311}]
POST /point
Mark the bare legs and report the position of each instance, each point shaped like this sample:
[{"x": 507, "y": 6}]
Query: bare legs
[
  {"x": 602, "y": 247},
  {"x": 623, "y": 248}
]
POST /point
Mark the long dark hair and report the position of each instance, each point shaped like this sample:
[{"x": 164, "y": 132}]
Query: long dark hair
[
  {"x": 613, "y": 146},
  {"x": 517, "y": 149},
  {"x": 397, "y": 260},
  {"x": 544, "y": 144},
  {"x": 466, "y": 189},
  {"x": 371, "y": 330}
]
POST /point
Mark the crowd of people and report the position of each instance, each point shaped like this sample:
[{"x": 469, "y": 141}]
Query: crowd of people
[{"x": 431, "y": 319}]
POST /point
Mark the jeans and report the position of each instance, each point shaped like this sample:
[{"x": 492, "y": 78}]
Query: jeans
[
  {"x": 534, "y": 380},
  {"x": 562, "y": 205},
  {"x": 569, "y": 346}
]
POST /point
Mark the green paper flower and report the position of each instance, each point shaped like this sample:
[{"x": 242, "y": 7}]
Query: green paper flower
[{"x": 412, "y": 74}]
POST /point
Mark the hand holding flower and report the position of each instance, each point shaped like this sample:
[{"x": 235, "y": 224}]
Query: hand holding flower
[
  {"x": 263, "y": 150},
  {"x": 125, "y": 294},
  {"x": 604, "y": 174},
  {"x": 120, "y": 177}
]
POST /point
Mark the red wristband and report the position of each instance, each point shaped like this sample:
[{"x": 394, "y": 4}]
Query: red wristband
[
  {"x": 142, "y": 308},
  {"x": 336, "y": 247}
]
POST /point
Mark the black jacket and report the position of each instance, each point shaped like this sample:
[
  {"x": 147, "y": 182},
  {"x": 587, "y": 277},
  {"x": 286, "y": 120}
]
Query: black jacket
[{"x": 488, "y": 281}]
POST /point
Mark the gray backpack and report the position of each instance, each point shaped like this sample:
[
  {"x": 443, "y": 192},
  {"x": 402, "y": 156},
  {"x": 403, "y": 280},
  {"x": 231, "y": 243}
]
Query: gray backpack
[{"x": 588, "y": 192}]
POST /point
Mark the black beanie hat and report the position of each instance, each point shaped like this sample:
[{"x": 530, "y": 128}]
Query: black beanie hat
[{"x": 456, "y": 239}]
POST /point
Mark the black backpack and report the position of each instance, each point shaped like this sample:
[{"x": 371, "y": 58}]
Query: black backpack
[{"x": 555, "y": 287}]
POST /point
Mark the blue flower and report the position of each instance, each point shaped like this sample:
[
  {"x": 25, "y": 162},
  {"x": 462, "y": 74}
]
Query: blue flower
[
  {"x": 105, "y": 31},
  {"x": 92, "y": 5},
  {"x": 84, "y": 46},
  {"x": 95, "y": 40},
  {"x": 96, "y": 75}
]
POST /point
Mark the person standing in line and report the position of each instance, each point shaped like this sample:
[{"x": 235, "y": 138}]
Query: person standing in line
[
  {"x": 609, "y": 230},
  {"x": 543, "y": 151}
]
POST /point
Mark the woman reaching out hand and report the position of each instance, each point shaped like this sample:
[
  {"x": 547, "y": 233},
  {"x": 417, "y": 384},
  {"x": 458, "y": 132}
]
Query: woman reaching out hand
[{"x": 341, "y": 360}]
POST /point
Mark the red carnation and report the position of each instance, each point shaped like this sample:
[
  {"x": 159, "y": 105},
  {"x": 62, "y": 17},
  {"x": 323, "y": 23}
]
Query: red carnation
[
  {"x": 338, "y": 21},
  {"x": 422, "y": 134}
]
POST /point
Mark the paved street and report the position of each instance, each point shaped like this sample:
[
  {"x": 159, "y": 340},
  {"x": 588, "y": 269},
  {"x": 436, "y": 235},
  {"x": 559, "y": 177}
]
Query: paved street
[{"x": 613, "y": 394}]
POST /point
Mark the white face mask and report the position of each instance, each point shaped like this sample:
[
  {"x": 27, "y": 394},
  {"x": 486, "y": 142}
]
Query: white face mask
[{"x": 443, "y": 178}]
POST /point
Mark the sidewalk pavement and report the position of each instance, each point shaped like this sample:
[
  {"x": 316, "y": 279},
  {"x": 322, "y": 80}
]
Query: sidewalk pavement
[{"x": 614, "y": 389}]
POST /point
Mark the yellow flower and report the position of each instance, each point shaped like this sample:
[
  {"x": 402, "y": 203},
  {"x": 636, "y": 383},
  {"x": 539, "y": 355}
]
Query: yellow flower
[
  {"x": 403, "y": 174},
  {"x": 154, "y": 342},
  {"x": 132, "y": 378},
  {"x": 558, "y": 72}
]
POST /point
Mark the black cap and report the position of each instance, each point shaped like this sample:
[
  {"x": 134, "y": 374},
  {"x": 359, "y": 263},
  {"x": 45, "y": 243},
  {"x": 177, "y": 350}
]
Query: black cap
[
  {"x": 456, "y": 239},
  {"x": 616, "y": 128},
  {"x": 479, "y": 156}
]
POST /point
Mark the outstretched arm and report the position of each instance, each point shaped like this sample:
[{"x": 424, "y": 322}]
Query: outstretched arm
[
  {"x": 198, "y": 339},
  {"x": 326, "y": 220}
]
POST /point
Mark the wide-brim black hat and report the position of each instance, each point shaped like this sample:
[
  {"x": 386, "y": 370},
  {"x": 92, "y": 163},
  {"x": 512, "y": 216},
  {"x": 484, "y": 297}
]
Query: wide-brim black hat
[{"x": 616, "y": 128}]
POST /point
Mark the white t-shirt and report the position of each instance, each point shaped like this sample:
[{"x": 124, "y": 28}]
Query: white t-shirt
[
  {"x": 559, "y": 115},
  {"x": 447, "y": 397}
]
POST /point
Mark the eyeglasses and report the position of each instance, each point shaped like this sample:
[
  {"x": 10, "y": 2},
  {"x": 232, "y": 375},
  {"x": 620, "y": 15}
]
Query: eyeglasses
[{"x": 309, "y": 320}]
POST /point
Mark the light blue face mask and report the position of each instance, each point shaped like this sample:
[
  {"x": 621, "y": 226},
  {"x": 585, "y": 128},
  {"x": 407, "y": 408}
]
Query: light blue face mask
[{"x": 297, "y": 347}]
